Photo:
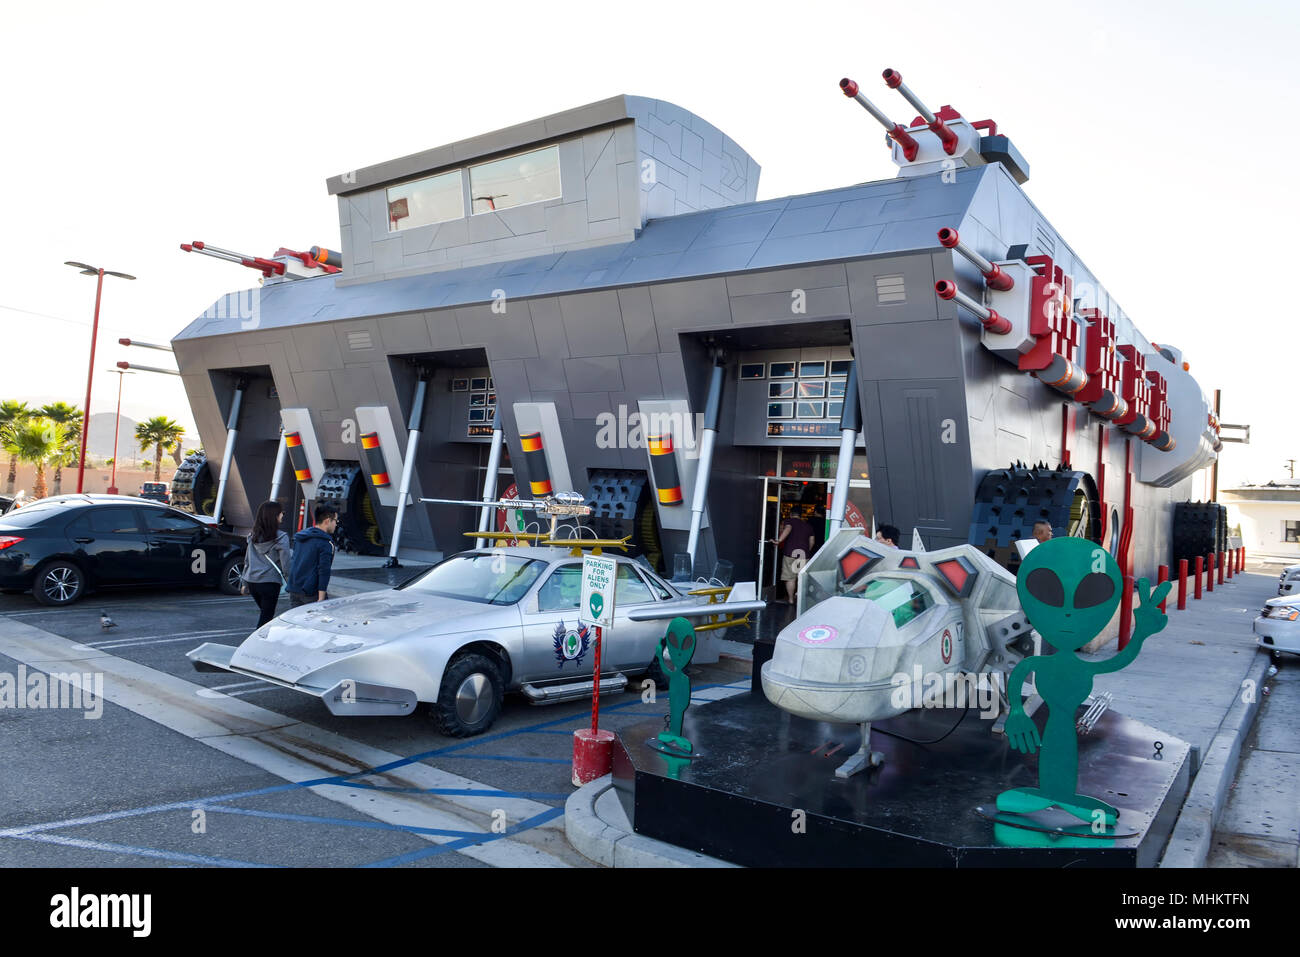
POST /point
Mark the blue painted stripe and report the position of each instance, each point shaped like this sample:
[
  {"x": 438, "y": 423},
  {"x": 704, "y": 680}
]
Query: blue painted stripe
[
  {"x": 525, "y": 825},
  {"x": 512, "y": 757}
]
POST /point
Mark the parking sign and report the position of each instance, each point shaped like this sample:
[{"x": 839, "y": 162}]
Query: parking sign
[{"x": 597, "y": 603}]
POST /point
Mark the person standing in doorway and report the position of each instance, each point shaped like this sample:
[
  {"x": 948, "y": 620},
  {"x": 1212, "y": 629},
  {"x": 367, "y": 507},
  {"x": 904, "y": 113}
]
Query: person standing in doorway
[
  {"x": 313, "y": 557},
  {"x": 266, "y": 560},
  {"x": 796, "y": 545}
]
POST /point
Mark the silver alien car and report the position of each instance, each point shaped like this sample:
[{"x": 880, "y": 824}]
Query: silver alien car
[{"x": 460, "y": 635}]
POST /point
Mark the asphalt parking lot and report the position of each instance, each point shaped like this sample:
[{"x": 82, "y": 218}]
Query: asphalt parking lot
[{"x": 183, "y": 768}]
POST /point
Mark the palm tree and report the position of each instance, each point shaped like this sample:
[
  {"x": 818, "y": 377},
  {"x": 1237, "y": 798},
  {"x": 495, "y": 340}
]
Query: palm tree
[
  {"x": 37, "y": 440},
  {"x": 11, "y": 413},
  {"x": 69, "y": 416},
  {"x": 163, "y": 434}
]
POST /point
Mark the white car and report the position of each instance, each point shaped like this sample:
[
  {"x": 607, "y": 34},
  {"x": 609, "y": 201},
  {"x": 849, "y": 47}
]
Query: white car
[
  {"x": 1288, "y": 583},
  {"x": 1278, "y": 628}
]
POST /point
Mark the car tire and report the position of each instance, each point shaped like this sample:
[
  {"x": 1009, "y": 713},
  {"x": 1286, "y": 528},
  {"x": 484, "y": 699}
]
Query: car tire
[
  {"x": 59, "y": 583},
  {"x": 469, "y": 699},
  {"x": 231, "y": 578},
  {"x": 656, "y": 674}
]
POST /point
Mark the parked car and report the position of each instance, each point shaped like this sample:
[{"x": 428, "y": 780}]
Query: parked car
[
  {"x": 1288, "y": 583},
  {"x": 59, "y": 548},
  {"x": 459, "y": 636},
  {"x": 156, "y": 492},
  {"x": 1278, "y": 626}
]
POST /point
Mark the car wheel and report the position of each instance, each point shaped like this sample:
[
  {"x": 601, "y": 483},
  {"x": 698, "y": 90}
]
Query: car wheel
[
  {"x": 470, "y": 697},
  {"x": 656, "y": 674},
  {"x": 232, "y": 576},
  {"x": 59, "y": 583}
]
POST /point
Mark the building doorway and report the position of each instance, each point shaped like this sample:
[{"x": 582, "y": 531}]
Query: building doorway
[{"x": 807, "y": 498}]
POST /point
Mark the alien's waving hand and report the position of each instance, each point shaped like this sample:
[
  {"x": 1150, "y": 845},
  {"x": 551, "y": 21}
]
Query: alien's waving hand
[{"x": 1069, "y": 589}]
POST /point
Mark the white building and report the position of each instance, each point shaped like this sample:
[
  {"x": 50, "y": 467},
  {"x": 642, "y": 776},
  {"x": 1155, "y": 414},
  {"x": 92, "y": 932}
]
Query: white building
[{"x": 1269, "y": 517}]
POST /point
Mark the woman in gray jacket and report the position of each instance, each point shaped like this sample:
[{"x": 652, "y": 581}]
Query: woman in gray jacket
[{"x": 267, "y": 560}]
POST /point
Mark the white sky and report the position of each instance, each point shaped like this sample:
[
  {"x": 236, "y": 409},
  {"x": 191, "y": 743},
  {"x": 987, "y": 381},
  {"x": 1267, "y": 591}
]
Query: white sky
[{"x": 1161, "y": 137}]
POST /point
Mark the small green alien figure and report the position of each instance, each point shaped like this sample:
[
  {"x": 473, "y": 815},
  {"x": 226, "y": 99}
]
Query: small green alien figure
[
  {"x": 675, "y": 653},
  {"x": 1069, "y": 589}
]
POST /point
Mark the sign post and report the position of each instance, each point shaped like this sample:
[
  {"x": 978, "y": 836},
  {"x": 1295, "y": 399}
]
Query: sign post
[{"x": 593, "y": 749}]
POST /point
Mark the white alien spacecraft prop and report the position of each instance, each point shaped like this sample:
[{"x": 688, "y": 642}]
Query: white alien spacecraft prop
[{"x": 875, "y": 622}]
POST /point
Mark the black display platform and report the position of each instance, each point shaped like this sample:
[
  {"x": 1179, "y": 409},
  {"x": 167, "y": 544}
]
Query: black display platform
[{"x": 759, "y": 765}]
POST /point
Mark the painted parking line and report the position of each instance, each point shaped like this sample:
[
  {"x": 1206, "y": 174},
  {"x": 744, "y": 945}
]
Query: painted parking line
[
  {"x": 136, "y": 851},
  {"x": 110, "y": 644},
  {"x": 299, "y": 753}
]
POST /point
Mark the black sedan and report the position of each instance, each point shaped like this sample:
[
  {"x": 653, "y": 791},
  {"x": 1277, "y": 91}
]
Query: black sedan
[{"x": 58, "y": 548}]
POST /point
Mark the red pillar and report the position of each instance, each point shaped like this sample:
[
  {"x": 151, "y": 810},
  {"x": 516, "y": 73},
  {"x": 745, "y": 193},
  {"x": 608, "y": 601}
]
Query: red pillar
[
  {"x": 1219, "y": 559},
  {"x": 1162, "y": 576},
  {"x": 1200, "y": 564},
  {"x": 1209, "y": 572},
  {"x": 1182, "y": 584},
  {"x": 1126, "y": 613},
  {"x": 1230, "y": 559}
]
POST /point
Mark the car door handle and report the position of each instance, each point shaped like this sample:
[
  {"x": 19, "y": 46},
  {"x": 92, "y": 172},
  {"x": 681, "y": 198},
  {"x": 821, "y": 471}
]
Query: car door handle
[{"x": 83, "y": 541}]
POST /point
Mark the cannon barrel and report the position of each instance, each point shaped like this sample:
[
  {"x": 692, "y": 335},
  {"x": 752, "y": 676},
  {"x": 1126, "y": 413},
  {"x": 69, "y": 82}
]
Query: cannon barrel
[
  {"x": 992, "y": 321},
  {"x": 327, "y": 257},
  {"x": 894, "y": 80},
  {"x": 895, "y": 130},
  {"x": 994, "y": 277}
]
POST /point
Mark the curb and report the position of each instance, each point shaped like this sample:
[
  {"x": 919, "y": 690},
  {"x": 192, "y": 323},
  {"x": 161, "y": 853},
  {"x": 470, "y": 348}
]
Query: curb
[
  {"x": 598, "y": 829},
  {"x": 1189, "y": 844}
]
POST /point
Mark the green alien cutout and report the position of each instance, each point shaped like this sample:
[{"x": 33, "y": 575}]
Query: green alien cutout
[
  {"x": 1069, "y": 589},
  {"x": 674, "y": 654}
]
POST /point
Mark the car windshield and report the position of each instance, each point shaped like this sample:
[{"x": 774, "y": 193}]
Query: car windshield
[
  {"x": 490, "y": 579},
  {"x": 903, "y": 598}
]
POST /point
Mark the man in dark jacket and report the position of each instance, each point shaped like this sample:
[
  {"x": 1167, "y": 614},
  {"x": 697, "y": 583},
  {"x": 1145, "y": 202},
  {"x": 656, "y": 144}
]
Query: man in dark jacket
[{"x": 313, "y": 555}]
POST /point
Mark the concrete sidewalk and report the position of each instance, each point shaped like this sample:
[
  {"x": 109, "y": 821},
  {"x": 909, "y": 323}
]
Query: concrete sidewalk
[{"x": 1189, "y": 675}]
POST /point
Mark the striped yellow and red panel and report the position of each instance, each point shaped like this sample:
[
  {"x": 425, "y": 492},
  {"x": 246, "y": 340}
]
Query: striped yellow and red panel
[
  {"x": 297, "y": 456},
  {"x": 539, "y": 475},
  {"x": 664, "y": 466},
  {"x": 375, "y": 464}
]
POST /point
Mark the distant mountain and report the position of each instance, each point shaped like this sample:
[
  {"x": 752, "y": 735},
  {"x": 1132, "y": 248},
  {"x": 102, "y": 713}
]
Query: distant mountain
[{"x": 99, "y": 443}]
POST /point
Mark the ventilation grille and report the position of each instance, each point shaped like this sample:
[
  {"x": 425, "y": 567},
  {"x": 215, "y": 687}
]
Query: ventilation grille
[
  {"x": 1045, "y": 241},
  {"x": 890, "y": 289},
  {"x": 360, "y": 340}
]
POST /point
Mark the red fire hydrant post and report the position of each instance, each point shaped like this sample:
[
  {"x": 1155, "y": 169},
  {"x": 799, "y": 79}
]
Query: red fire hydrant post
[
  {"x": 1126, "y": 613},
  {"x": 1209, "y": 573},
  {"x": 1162, "y": 576},
  {"x": 1200, "y": 566},
  {"x": 1182, "y": 584}
]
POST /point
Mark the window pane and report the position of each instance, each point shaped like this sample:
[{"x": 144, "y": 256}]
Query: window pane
[
  {"x": 629, "y": 589},
  {"x": 433, "y": 200},
  {"x": 160, "y": 521},
  {"x": 515, "y": 180},
  {"x": 562, "y": 590}
]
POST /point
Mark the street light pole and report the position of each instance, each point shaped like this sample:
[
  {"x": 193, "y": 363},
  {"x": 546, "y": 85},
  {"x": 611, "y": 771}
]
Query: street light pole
[
  {"x": 98, "y": 273},
  {"x": 117, "y": 425}
]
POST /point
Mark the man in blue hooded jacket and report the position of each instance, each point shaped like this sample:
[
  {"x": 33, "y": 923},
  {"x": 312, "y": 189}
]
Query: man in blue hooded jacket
[{"x": 313, "y": 555}]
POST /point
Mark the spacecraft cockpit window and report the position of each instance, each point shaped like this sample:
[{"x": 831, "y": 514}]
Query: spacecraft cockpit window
[{"x": 903, "y": 598}]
